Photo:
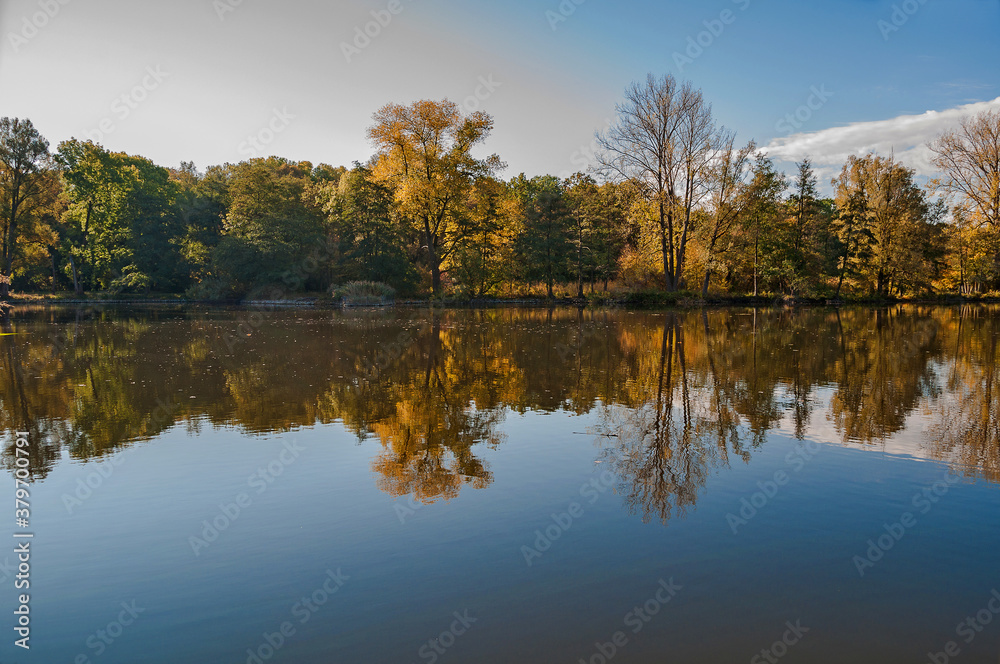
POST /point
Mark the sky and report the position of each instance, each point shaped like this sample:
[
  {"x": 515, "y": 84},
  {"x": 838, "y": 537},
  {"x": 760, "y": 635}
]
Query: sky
[{"x": 216, "y": 81}]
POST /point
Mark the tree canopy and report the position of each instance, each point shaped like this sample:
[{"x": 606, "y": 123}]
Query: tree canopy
[{"x": 676, "y": 202}]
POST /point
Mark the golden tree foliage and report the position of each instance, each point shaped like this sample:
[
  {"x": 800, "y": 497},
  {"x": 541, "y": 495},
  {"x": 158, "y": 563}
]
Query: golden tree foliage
[{"x": 425, "y": 155}]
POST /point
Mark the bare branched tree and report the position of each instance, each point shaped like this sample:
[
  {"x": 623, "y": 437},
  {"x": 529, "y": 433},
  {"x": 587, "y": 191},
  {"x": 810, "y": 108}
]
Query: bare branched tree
[
  {"x": 662, "y": 144},
  {"x": 970, "y": 161}
]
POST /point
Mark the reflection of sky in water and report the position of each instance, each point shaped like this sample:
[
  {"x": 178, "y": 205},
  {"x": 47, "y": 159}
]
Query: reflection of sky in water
[{"x": 413, "y": 564}]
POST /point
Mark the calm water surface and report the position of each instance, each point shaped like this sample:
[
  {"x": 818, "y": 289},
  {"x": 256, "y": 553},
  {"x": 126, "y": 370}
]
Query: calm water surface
[{"x": 501, "y": 486}]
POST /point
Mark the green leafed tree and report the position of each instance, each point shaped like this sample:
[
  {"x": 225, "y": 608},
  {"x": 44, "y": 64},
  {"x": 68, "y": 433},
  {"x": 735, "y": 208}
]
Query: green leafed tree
[
  {"x": 763, "y": 232},
  {"x": 485, "y": 260},
  {"x": 123, "y": 218},
  {"x": 23, "y": 152},
  {"x": 273, "y": 232},
  {"x": 370, "y": 238},
  {"x": 886, "y": 226},
  {"x": 545, "y": 242}
]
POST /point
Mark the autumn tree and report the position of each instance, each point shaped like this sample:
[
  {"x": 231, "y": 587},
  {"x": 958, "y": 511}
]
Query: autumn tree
[
  {"x": 662, "y": 142},
  {"x": 730, "y": 173},
  {"x": 22, "y": 154},
  {"x": 425, "y": 156},
  {"x": 888, "y": 217},
  {"x": 38, "y": 254},
  {"x": 970, "y": 160},
  {"x": 486, "y": 260}
]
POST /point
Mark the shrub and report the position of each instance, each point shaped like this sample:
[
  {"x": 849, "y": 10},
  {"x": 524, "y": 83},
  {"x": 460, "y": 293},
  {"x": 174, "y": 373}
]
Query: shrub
[
  {"x": 364, "y": 294},
  {"x": 652, "y": 299},
  {"x": 210, "y": 290}
]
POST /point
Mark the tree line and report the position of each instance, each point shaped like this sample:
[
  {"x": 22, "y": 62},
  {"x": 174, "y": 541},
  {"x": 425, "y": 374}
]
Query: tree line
[{"x": 673, "y": 203}]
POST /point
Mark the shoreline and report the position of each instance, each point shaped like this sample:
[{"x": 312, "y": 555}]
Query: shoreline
[{"x": 635, "y": 300}]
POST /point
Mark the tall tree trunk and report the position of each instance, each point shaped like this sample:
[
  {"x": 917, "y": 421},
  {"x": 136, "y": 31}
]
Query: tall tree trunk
[
  {"x": 756, "y": 253},
  {"x": 432, "y": 258},
  {"x": 435, "y": 276},
  {"x": 7, "y": 270},
  {"x": 77, "y": 286},
  {"x": 681, "y": 251},
  {"x": 665, "y": 250},
  {"x": 670, "y": 246}
]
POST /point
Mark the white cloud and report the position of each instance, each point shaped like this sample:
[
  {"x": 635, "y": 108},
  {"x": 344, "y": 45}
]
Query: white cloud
[{"x": 906, "y": 135}]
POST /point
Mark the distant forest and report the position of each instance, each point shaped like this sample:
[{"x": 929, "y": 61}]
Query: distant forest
[{"x": 673, "y": 203}]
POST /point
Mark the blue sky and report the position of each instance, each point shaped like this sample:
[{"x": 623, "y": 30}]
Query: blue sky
[{"x": 195, "y": 79}]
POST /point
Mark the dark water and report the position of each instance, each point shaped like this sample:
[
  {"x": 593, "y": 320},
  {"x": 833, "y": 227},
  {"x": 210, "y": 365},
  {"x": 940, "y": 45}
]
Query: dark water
[{"x": 506, "y": 485}]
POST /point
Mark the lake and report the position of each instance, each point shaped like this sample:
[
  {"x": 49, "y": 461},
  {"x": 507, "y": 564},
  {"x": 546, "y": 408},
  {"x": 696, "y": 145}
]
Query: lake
[{"x": 504, "y": 485}]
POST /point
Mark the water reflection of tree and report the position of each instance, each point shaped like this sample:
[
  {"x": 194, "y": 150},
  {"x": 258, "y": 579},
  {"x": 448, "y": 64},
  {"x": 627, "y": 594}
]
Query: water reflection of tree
[
  {"x": 667, "y": 446},
  {"x": 966, "y": 430},
  {"x": 442, "y": 390},
  {"x": 685, "y": 392},
  {"x": 884, "y": 370},
  {"x": 23, "y": 405}
]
